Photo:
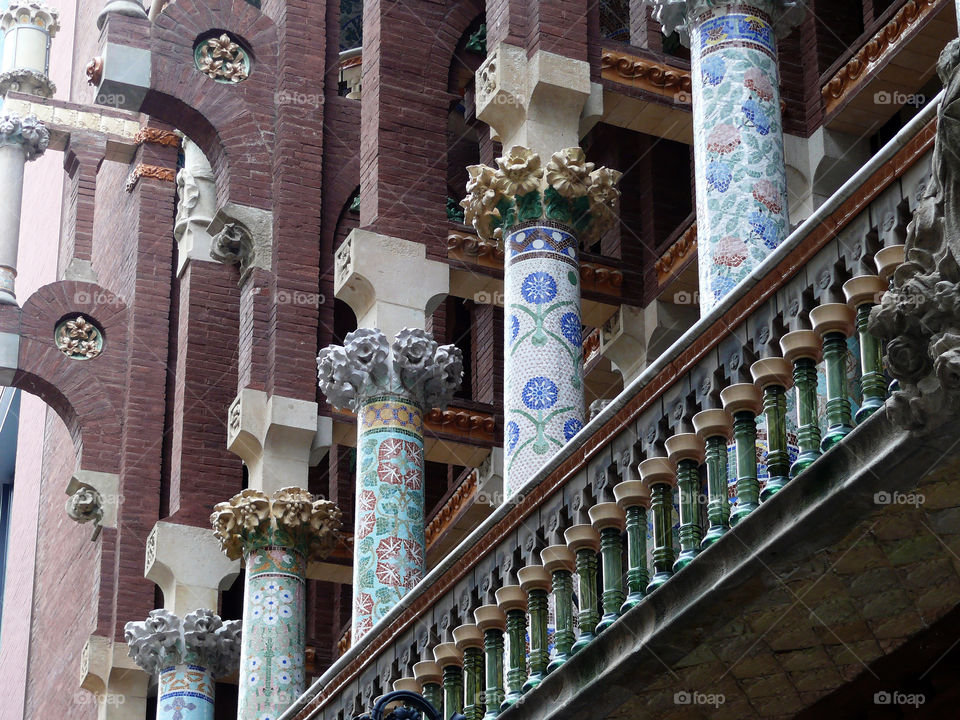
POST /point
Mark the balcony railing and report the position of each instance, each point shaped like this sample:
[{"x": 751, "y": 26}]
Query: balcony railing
[{"x": 572, "y": 501}]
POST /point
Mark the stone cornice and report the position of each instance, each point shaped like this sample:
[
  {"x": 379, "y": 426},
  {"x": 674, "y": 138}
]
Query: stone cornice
[
  {"x": 650, "y": 75},
  {"x": 875, "y": 51}
]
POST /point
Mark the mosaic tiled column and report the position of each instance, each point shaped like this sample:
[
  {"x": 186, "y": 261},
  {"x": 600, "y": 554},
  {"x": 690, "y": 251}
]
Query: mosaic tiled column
[
  {"x": 541, "y": 216},
  {"x": 738, "y": 134},
  {"x": 187, "y": 655},
  {"x": 21, "y": 139},
  {"x": 276, "y": 536},
  {"x": 390, "y": 387}
]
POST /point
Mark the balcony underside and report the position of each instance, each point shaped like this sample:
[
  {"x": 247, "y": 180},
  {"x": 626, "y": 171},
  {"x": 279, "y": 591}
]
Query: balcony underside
[{"x": 797, "y": 601}]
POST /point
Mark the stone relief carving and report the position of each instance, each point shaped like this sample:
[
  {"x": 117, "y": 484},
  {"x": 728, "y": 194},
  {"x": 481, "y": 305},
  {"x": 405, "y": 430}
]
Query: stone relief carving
[
  {"x": 86, "y": 505},
  {"x": 200, "y": 638},
  {"x": 366, "y": 365},
  {"x": 242, "y": 236},
  {"x": 920, "y": 315},
  {"x": 251, "y": 516},
  {"x": 26, "y": 81},
  {"x": 222, "y": 59},
  {"x": 28, "y": 132},
  {"x": 78, "y": 339}
]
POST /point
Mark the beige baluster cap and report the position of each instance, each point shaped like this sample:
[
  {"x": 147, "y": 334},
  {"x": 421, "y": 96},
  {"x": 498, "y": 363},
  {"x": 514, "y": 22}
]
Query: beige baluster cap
[
  {"x": 742, "y": 397},
  {"x": 802, "y": 344},
  {"x": 658, "y": 471},
  {"x": 511, "y": 597},
  {"x": 534, "y": 577},
  {"x": 713, "y": 423},
  {"x": 607, "y": 515},
  {"x": 582, "y": 537},
  {"x": 468, "y": 636},
  {"x": 448, "y": 654},
  {"x": 888, "y": 259},
  {"x": 428, "y": 672},
  {"x": 832, "y": 318},
  {"x": 490, "y": 617},
  {"x": 685, "y": 446},
  {"x": 772, "y": 371},
  {"x": 558, "y": 557},
  {"x": 632, "y": 493},
  {"x": 864, "y": 290},
  {"x": 408, "y": 683}
]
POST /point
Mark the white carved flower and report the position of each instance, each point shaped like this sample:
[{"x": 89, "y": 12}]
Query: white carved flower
[
  {"x": 519, "y": 172},
  {"x": 292, "y": 507},
  {"x": 604, "y": 195},
  {"x": 568, "y": 172},
  {"x": 480, "y": 205},
  {"x": 368, "y": 348},
  {"x": 445, "y": 378},
  {"x": 413, "y": 352},
  {"x": 340, "y": 379}
]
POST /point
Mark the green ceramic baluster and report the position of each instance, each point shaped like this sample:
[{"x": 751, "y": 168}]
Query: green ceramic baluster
[
  {"x": 834, "y": 323},
  {"x": 609, "y": 520},
  {"x": 774, "y": 376},
  {"x": 862, "y": 294},
  {"x": 469, "y": 639},
  {"x": 430, "y": 676},
  {"x": 634, "y": 498},
  {"x": 659, "y": 475},
  {"x": 491, "y": 620},
  {"x": 535, "y": 581},
  {"x": 715, "y": 427},
  {"x": 559, "y": 561},
  {"x": 686, "y": 451},
  {"x": 803, "y": 349},
  {"x": 584, "y": 543},
  {"x": 450, "y": 658},
  {"x": 743, "y": 401},
  {"x": 513, "y": 601}
]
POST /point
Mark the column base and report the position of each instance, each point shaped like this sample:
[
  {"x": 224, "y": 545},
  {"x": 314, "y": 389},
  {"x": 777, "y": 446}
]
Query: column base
[
  {"x": 684, "y": 558},
  {"x": 803, "y": 462},
  {"x": 835, "y": 434},
  {"x": 510, "y": 699},
  {"x": 585, "y": 639},
  {"x": 633, "y": 599},
  {"x": 606, "y": 621},
  {"x": 869, "y": 407},
  {"x": 533, "y": 681},
  {"x": 714, "y": 533},
  {"x": 558, "y": 662},
  {"x": 774, "y": 485},
  {"x": 659, "y": 579},
  {"x": 741, "y": 511},
  {"x": 491, "y": 714}
]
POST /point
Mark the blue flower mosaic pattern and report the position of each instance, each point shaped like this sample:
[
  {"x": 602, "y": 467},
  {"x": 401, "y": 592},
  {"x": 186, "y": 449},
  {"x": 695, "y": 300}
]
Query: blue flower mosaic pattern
[
  {"x": 765, "y": 228},
  {"x": 571, "y": 427},
  {"x": 512, "y": 432},
  {"x": 514, "y": 327},
  {"x": 714, "y": 68},
  {"x": 539, "y": 288},
  {"x": 570, "y": 327},
  {"x": 755, "y": 114},
  {"x": 719, "y": 176},
  {"x": 540, "y": 393}
]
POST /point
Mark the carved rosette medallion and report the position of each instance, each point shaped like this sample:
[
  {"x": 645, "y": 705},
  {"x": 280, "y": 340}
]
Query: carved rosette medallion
[
  {"x": 542, "y": 215},
  {"x": 78, "y": 338},
  {"x": 276, "y": 535},
  {"x": 222, "y": 59},
  {"x": 389, "y": 387}
]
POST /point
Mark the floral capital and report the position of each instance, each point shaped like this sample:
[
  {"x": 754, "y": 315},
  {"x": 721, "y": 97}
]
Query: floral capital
[
  {"x": 677, "y": 16},
  {"x": 27, "y": 132},
  {"x": 200, "y": 638}
]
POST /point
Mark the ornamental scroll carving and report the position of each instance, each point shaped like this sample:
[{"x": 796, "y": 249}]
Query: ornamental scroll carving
[
  {"x": 366, "y": 365},
  {"x": 919, "y": 316}
]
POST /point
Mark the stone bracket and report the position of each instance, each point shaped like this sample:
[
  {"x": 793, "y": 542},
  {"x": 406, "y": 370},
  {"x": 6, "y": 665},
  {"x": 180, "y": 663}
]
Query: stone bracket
[
  {"x": 119, "y": 686},
  {"x": 276, "y": 437},
  {"x": 242, "y": 235},
  {"x": 623, "y": 341},
  {"x": 187, "y": 564},
  {"x": 126, "y": 77},
  {"x": 388, "y": 282},
  {"x": 105, "y": 487}
]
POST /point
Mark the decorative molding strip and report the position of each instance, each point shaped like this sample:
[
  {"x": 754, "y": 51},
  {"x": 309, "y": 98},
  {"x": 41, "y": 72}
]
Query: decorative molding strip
[
  {"x": 459, "y": 422},
  {"x": 676, "y": 255},
  {"x": 470, "y": 248},
  {"x": 875, "y": 50},
  {"x": 150, "y": 171},
  {"x": 452, "y": 508},
  {"x": 156, "y": 136},
  {"x": 591, "y": 347},
  {"x": 529, "y": 502},
  {"x": 344, "y": 643},
  {"x": 647, "y": 75}
]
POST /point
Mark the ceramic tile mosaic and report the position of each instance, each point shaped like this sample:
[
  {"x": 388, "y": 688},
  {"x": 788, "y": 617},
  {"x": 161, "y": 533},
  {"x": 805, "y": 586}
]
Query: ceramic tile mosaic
[
  {"x": 738, "y": 145},
  {"x": 543, "y": 394},
  {"x": 389, "y": 528},
  {"x": 185, "y": 692}
]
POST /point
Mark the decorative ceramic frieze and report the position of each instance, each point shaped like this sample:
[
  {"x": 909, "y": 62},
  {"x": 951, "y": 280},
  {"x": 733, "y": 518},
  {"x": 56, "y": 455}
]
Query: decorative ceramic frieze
[
  {"x": 541, "y": 214},
  {"x": 222, "y": 59},
  {"x": 919, "y": 316}
]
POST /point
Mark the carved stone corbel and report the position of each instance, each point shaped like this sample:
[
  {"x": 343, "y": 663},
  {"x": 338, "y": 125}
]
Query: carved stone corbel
[{"x": 242, "y": 236}]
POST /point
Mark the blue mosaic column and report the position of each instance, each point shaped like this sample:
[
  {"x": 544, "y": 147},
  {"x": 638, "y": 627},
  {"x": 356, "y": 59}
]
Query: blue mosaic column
[
  {"x": 390, "y": 388},
  {"x": 276, "y": 536},
  {"x": 187, "y": 655},
  {"x": 737, "y": 130},
  {"x": 541, "y": 215}
]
